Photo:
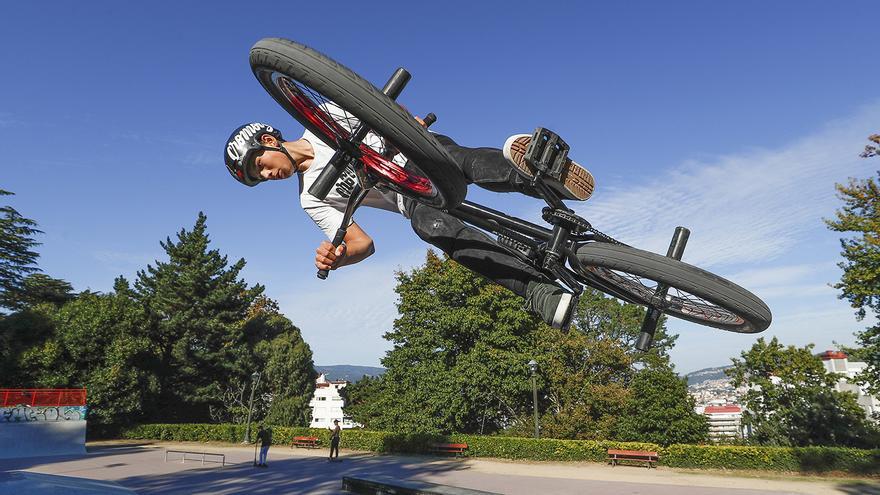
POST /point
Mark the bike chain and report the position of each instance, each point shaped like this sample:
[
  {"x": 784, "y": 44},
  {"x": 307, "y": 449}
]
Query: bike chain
[
  {"x": 604, "y": 237},
  {"x": 577, "y": 223}
]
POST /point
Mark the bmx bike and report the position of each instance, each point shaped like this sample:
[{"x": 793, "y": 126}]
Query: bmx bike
[{"x": 343, "y": 109}]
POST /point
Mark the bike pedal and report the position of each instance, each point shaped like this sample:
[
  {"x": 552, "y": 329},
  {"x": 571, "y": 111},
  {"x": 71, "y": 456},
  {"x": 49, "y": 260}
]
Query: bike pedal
[{"x": 547, "y": 153}]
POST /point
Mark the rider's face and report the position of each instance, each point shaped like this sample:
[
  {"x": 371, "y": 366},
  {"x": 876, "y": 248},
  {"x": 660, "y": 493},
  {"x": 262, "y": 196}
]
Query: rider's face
[{"x": 273, "y": 165}]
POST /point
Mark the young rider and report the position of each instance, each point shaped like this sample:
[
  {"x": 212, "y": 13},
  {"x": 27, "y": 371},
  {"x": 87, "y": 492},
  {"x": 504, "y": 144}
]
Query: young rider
[{"x": 257, "y": 152}]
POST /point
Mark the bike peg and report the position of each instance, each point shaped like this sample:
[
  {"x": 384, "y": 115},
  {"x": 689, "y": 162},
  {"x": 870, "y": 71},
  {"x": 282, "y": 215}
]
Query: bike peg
[{"x": 652, "y": 317}]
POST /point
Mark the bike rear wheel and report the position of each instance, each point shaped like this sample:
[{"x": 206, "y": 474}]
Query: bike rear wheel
[
  {"x": 330, "y": 100},
  {"x": 694, "y": 294}
]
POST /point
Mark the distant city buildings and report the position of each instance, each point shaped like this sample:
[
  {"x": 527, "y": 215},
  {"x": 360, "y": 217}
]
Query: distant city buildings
[
  {"x": 327, "y": 404},
  {"x": 725, "y": 421},
  {"x": 717, "y": 399},
  {"x": 712, "y": 387}
]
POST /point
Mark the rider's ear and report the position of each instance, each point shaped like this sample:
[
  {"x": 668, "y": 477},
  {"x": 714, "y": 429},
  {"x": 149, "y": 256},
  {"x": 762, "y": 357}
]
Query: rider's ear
[{"x": 269, "y": 140}]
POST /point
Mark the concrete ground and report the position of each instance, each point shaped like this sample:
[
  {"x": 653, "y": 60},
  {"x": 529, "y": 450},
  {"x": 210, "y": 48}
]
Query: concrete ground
[{"x": 141, "y": 467}]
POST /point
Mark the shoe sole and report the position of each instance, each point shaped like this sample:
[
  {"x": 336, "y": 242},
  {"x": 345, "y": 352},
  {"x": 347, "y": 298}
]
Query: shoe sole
[
  {"x": 577, "y": 182},
  {"x": 562, "y": 311}
]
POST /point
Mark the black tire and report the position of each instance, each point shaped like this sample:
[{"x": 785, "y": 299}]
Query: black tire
[
  {"x": 358, "y": 97},
  {"x": 695, "y": 295}
]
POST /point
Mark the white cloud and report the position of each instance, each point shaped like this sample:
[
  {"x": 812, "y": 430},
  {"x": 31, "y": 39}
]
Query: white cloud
[
  {"x": 788, "y": 281},
  {"x": 744, "y": 207}
]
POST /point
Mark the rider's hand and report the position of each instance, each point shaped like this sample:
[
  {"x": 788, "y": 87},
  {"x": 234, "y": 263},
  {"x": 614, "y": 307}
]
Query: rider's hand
[{"x": 326, "y": 258}]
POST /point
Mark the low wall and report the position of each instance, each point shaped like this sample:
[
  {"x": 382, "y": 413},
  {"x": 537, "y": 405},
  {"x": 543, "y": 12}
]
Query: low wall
[{"x": 32, "y": 431}]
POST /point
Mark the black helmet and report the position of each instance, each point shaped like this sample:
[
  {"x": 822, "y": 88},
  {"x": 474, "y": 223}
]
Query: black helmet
[{"x": 240, "y": 148}]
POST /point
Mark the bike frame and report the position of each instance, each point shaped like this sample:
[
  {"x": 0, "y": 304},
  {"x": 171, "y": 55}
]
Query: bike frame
[{"x": 550, "y": 251}]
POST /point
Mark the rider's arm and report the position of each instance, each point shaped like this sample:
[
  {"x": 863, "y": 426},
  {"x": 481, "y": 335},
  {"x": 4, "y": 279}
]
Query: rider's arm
[{"x": 357, "y": 247}]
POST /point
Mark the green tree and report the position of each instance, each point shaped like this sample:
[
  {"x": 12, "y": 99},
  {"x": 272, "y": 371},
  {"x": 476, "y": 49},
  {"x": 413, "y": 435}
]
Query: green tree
[
  {"x": 584, "y": 385},
  {"x": 97, "y": 344},
  {"x": 603, "y": 317},
  {"x": 40, "y": 288},
  {"x": 459, "y": 360},
  {"x": 872, "y": 150},
  {"x": 17, "y": 258},
  {"x": 859, "y": 218},
  {"x": 365, "y": 399},
  {"x": 661, "y": 411},
  {"x": 790, "y": 399},
  {"x": 20, "y": 331},
  {"x": 289, "y": 374},
  {"x": 196, "y": 309}
]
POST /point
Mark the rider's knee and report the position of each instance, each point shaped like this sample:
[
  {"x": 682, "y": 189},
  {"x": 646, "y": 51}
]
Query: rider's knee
[{"x": 435, "y": 227}]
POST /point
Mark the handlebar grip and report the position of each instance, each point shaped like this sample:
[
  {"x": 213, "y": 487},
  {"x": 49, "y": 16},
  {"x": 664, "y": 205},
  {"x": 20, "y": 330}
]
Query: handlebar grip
[
  {"x": 430, "y": 119},
  {"x": 337, "y": 240}
]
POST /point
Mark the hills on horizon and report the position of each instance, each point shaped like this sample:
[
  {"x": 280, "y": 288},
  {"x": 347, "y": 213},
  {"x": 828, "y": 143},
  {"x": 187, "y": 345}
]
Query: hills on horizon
[
  {"x": 353, "y": 373},
  {"x": 705, "y": 375},
  {"x": 348, "y": 372}
]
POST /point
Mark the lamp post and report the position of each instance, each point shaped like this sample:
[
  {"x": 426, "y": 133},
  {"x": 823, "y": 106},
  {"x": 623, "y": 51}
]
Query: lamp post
[
  {"x": 533, "y": 365},
  {"x": 255, "y": 379}
]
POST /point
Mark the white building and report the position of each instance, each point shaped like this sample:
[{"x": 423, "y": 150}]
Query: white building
[
  {"x": 725, "y": 421},
  {"x": 837, "y": 362},
  {"x": 327, "y": 404}
]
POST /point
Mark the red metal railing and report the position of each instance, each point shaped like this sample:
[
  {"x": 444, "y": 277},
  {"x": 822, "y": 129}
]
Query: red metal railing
[{"x": 11, "y": 397}]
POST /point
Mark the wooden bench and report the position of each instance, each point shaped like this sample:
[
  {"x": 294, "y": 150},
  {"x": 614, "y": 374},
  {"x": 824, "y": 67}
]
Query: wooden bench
[
  {"x": 449, "y": 448},
  {"x": 305, "y": 442},
  {"x": 184, "y": 453},
  {"x": 615, "y": 456}
]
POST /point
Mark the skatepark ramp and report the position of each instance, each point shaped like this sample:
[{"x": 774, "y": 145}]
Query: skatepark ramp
[{"x": 42, "y": 422}]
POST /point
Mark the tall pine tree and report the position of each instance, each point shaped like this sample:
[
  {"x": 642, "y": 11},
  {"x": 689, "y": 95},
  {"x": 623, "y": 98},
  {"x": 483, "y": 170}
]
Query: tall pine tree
[
  {"x": 17, "y": 258},
  {"x": 195, "y": 307}
]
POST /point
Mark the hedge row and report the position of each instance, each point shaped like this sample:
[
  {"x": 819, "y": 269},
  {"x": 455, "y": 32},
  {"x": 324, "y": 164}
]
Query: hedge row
[{"x": 803, "y": 459}]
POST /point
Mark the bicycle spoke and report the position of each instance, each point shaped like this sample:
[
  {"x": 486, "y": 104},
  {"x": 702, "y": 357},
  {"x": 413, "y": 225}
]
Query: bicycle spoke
[
  {"x": 676, "y": 300},
  {"x": 335, "y": 123}
]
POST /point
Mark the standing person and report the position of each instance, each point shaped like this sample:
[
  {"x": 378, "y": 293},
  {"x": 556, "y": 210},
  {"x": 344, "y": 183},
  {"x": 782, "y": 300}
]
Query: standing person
[
  {"x": 334, "y": 439},
  {"x": 257, "y": 152},
  {"x": 265, "y": 438}
]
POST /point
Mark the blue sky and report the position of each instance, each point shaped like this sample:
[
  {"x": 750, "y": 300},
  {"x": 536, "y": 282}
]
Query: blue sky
[{"x": 732, "y": 119}]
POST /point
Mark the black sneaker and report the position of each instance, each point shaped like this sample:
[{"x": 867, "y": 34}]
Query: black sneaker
[
  {"x": 554, "y": 305},
  {"x": 576, "y": 182}
]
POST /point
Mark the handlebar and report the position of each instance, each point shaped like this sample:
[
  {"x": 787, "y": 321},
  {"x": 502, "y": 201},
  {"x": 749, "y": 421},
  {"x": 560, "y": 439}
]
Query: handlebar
[{"x": 340, "y": 233}]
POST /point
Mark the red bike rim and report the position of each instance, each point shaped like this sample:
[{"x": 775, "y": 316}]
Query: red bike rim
[{"x": 318, "y": 111}]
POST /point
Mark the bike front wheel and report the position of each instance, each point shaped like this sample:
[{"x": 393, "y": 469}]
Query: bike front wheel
[
  {"x": 331, "y": 101},
  {"x": 694, "y": 294}
]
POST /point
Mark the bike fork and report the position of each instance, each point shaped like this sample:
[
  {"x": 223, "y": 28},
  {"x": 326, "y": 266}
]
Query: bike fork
[
  {"x": 649, "y": 325},
  {"x": 349, "y": 154}
]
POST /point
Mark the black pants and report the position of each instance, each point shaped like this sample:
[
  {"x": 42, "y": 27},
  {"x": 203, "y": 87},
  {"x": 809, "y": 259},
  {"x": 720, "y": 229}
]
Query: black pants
[
  {"x": 487, "y": 168},
  {"x": 334, "y": 446}
]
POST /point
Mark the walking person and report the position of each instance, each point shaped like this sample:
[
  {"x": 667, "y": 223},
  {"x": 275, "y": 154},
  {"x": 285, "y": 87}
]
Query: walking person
[
  {"x": 334, "y": 439},
  {"x": 265, "y": 438}
]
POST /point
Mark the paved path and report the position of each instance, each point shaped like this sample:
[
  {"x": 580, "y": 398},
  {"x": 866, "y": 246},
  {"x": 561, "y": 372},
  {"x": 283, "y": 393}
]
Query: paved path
[{"x": 141, "y": 467}]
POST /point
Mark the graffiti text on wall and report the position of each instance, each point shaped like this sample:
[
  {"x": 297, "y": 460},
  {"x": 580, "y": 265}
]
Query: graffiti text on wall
[{"x": 24, "y": 414}]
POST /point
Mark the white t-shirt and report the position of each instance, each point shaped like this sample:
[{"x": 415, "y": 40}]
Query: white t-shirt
[{"x": 328, "y": 214}]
